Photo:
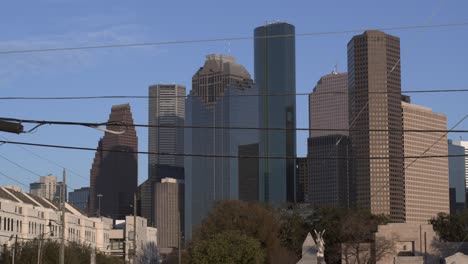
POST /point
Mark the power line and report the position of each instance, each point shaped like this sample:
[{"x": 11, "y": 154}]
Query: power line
[
  {"x": 28, "y": 170},
  {"x": 222, "y": 156},
  {"x": 193, "y": 41},
  {"x": 194, "y": 96},
  {"x": 48, "y": 160},
  {"x": 88, "y": 124},
  {"x": 13, "y": 179}
]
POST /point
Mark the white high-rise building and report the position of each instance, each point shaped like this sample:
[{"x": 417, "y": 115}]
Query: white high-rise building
[
  {"x": 465, "y": 145},
  {"x": 166, "y": 108},
  {"x": 47, "y": 187}
]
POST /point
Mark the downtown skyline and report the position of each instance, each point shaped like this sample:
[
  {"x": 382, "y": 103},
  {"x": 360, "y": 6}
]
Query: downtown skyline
[{"x": 309, "y": 69}]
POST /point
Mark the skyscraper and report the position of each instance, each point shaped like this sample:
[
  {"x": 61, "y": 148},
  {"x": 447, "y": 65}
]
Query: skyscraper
[
  {"x": 221, "y": 96},
  {"x": 329, "y": 181},
  {"x": 79, "y": 198},
  {"x": 426, "y": 180},
  {"x": 166, "y": 113},
  {"x": 457, "y": 177},
  {"x": 328, "y": 105},
  {"x": 465, "y": 145},
  {"x": 115, "y": 174},
  {"x": 166, "y": 108},
  {"x": 275, "y": 73},
  {"x": 169, "y": 201},
  {"x": 375, "y": 103},
  {"x": 329, "y": 178},
  {"x": 46, "y": 187},
  {"x": 248, "y": 173},
  {"x": 302, "y": 181}
]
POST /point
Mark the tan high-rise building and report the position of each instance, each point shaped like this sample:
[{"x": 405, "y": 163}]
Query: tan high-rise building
[
  {"x": 374, "y": 84},
  {"x": 169, "y": 216},
  {"x": 426, "y": 180},
  {"x": 328, "y": 105}
]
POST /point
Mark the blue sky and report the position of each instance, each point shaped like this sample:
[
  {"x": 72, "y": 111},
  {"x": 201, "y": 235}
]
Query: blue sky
[{"x": 431, "y": 59}]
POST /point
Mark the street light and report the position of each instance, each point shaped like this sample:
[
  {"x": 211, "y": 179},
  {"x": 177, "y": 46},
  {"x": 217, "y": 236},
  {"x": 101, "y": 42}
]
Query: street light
[{"x": 99, "y": 207}]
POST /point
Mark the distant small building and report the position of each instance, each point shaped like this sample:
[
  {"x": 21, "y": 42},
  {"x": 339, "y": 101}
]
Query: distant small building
[{"x": 47, "y": 187}]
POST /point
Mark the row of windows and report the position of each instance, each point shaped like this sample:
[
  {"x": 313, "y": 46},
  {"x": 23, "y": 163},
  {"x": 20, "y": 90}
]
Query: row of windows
[{"x": 9, "y": 225}]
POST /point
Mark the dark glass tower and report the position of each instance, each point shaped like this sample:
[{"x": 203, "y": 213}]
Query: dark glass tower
[
  {"x": 115, "y": 174},
  {"x": 275, "y": 73}
]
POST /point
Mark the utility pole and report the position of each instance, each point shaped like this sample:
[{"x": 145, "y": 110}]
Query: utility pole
[
  {"x": 14, "y": 249},
  {"x": 63, "y": 195},
  {"x": 134, "y": 228}
]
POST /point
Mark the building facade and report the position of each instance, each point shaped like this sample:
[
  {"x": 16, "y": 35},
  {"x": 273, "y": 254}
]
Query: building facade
[
  {"x": 169, "y": 216},
  {"x": 329, "y": 171},
  {"x": 114, "y": 174},
  {"x": 426, "y": 180},
  {"x": 248, "y": 172},
  {"x": 374, "y": 83},
  {"x": 79, "y": 198},
  {"x": 328, "y": 105},
  {"x": 457, "y": 177},
  {"x": 221, "y": 96},
  {"x": 465, "y": 145},
  {"x": 28, "y": 216},
  {"x": 275, "y": 73},
  {"x": 47, "y": 188},
  {"x": 302, "y": 180}
]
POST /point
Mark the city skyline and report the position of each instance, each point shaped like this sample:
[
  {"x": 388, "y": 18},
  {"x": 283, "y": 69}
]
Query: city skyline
[{"x": 106, "y": 74}]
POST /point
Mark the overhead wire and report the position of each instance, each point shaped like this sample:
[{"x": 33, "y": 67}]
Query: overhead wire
[
  {"x": 193, "y": 41},
  {"x": 217, "y": 156},
  {"x": 122, "y": 124},
  {"x": 195, "y": 96}
]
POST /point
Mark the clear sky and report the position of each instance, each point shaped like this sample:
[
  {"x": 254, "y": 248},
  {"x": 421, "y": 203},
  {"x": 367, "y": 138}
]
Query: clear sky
[{"x": 431, "y": 59}]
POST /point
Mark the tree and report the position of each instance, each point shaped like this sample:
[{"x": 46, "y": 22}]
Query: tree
[
  {"x": 251, "y": 219},
  {"x": 74, "y": 253},
  {"x": 229, "y": 247},
  {"x": 451, "y": 228},
  {"x": 293, "y": 231},
  {"x": 149, "y": 254}
]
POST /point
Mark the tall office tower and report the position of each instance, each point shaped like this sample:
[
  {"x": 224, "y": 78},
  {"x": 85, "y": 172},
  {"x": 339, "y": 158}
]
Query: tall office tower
[
  {"x": 302, "y": 181},
  {"x": 422, "y": 175},
  {"x": 79, "y": 198},
  {"x": 457, "y": 177},
  {"x": 329, "y": 167},
  {"x": 169, "y": 216},
  {"x": 275, "y": 73},
  {"x": 114, "y": 175},
  {"x": 166, "y": 108},
  {"x": 329, "y": 181},
  {"x": 166, "y": 113},
  {"x": 221, "y": 96},
  {"x": 328, "y": 105},
  {"x": 248, "y": 173},
  {"x": 47, "y": 188},
  {"x": 374, "y": 83},
  {"x": 465, "y": 145}
]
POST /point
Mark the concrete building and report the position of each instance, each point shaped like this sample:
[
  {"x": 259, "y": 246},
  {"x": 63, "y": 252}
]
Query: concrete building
[
  {"x": 426, "y": 180},
  {"x": 221, "y": 96},
  {"x": 465, "y": 145},
  {"x": 114, "y": 175},
  {"x": 28, "y": 216},
  {"x": 47, "y": 188},
  {"x": 275, "y": 73},
  {"x": 329, "y": 171},
  {"x": 122, "y": 240},
  {"x": 166, "y": 112},
  {"x": 374, "y": 83},
  {"x": 169, "y": 217},
  {"x": 79, "y": 198},
  {"x": 457, "y": 177},
  {"x": 328, "y": 105}
]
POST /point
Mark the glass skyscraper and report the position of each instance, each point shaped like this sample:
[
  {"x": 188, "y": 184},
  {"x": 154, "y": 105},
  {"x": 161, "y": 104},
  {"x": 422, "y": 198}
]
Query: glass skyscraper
[
  {"x": 223, "y": 95},
  {"x": 275, "y": 76}
]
